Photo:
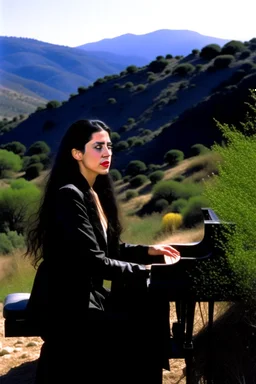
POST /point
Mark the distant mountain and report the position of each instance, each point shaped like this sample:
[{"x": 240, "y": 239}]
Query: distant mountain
[
  {"x": 53, "y": 71},
  {"x": 153, "y": 44},
  {"x": 156, "y": 108}
]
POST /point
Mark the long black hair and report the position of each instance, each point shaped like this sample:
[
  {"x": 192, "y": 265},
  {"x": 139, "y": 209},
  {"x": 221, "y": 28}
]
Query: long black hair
[{"x": 66, "y": 169}]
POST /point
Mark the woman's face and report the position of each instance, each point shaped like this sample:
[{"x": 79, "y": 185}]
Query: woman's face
[{"x": 96, "y": 158}]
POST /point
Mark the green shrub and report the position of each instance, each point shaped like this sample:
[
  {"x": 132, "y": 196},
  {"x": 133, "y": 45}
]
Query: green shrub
[
  {"x": 160, "y": 205},
  {"x": 17, "y": 203},
  {"x": 115, "y": 174},
  {"x": 140, "y": 87},
  {"x": 111, "y": 100},
  {"x": 45, "y": 160},
  {"x": 33, "y": 171},
  {"x": 130, "y": 120},
  {"x": 135, "y": 167},
  {"x": 30, "y": 160},
  {"x": 17, "y": 240},
  {"x": 192, "y": 212},
  {"x": 153, "y": 167},
  {"x": 121, "y": 145},
  {"x": 223, "y": 61},
  {"x": 198, "y": 149},
  {"x": 138, "y": 142},
  {"x": 37, "y": 148},
  {"x": 183, "y": 69},
  {"x": 151, "y": 78},
  {"x": 114, "y": 136},
  {"x": 81, "y": 90},
  {"x": 130, "y": 194},
  {"x": 53, "y": 104},
  {"x": 158, "y": 65},
  {"x": 126, "y": 178},
  {"x": 173, "y": 190},
  {"x": 138, "y": 180},
  {"x": 156, "y": 176},
  {"x": 15, "y": 147},
  {"x": 20, "y": 183},
  {"x": 210, "y": 51},
  {"x": 179, "y": 178},
  {"x": 99, "y": 81},
  {"x": 232, "y": 47},
  {"x": 131, "y": 69},
  {"x": 178, "y": 205},
  {"x": 173, "y": 157},
  {"x": 5, "y": 244},
  {"x": 129, "y": 84},
  {"x": 199, "y": 67},
  {"x": 9, "y": 162}
]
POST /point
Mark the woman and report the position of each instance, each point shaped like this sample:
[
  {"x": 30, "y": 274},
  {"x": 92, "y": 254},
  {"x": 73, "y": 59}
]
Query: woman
[{"x": 77, "y": 242}]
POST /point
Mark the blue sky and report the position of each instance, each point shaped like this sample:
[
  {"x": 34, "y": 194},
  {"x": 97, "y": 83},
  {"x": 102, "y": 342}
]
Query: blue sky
[{"x": 76, "y": 22}]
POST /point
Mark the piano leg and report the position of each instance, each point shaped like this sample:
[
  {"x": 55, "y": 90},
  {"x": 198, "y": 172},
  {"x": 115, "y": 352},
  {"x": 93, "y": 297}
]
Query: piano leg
[
  {"x": 179, "y": 326},
  {"x": 188, "y": 344},
  {"x": 209, "y": 351}
]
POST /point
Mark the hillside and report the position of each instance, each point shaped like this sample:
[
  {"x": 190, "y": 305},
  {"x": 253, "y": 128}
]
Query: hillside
[
  {"x": 169, "y": 104},
  {"x": 53, "y": 71},
  {"x": 153, "y": 44},
  {"x": 13, "y": 103}
]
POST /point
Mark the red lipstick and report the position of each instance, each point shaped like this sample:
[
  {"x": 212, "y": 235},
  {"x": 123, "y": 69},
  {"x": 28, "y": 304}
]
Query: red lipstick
[{"x": 105, "y": 164}]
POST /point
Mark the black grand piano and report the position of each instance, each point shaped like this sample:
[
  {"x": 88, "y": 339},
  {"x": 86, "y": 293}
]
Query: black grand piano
[{"x": 185, "y": 283}]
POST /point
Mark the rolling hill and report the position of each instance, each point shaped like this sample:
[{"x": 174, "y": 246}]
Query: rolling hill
[
  {"x": 54, "y": 71},
  {"x": 168, "y": 104}
]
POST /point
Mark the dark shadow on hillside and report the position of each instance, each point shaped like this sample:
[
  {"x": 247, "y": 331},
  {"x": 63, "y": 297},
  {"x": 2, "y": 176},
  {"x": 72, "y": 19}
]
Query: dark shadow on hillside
[
  {"x": 231, "y": 348},
  {"x": 145, "y": 189},
  {"x": 23, "y": 374}
]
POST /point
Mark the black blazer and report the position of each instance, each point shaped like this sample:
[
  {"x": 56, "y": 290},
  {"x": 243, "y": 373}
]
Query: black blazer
[{"x": 78, "y": 260}]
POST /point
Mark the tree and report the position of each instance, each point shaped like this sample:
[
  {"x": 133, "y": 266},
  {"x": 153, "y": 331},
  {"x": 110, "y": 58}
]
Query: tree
[
  {"x": 9, "y": 162},
  {"x": 17, "y": 203}
]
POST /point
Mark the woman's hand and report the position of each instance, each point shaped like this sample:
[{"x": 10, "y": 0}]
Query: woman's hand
[{"x": 171, "y": 255}]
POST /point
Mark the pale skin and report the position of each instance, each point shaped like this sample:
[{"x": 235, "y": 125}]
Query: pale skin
[{"x": 96, "y": 160}]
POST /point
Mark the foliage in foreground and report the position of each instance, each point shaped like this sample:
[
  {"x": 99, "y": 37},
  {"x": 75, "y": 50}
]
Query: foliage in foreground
[{"x": 232, "y": 195}]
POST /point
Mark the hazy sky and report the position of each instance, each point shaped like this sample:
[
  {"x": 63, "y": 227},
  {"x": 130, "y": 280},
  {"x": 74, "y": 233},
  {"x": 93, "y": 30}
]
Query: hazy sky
[{"x": 76, "y": 22}]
